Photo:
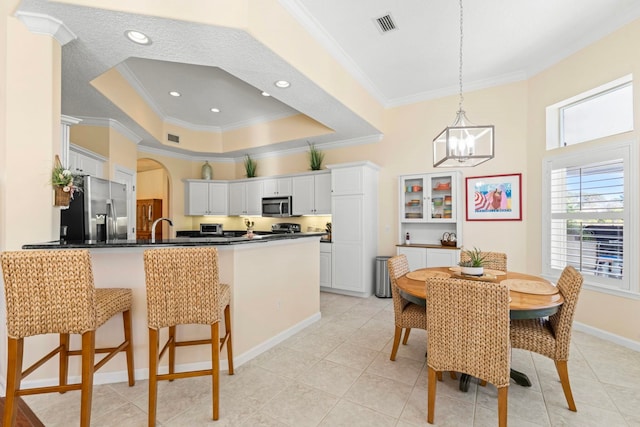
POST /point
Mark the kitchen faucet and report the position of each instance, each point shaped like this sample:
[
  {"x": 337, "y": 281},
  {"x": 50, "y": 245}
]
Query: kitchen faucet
[{"x": 153, "y": 227}]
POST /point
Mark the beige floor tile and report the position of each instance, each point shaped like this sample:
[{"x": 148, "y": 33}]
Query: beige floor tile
[
  {"x": 330, "y": 377},
  {"x": 352, "y": 355},
  {"x": 402, "y": 369},
  {"x": 300, "y": 405},
  {"x": 586, "y": 416},
  {"x": 337, "y": 372},
  {"x": 287, "y": 362},
  {"x": 380, "y": 394},
  {"x": 350, "y": 414}
]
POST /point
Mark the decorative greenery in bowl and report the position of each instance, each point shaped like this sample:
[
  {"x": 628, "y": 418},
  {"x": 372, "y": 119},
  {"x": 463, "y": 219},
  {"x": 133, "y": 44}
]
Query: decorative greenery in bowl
[
  {"x": 315, "y": 157},
  {"x": 250, "y": 166},
  {"x": 475, "y": 263}
]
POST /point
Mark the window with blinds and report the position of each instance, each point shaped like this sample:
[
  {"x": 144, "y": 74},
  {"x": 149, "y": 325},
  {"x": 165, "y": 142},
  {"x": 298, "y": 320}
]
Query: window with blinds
[{"x": 588, "y": 214}]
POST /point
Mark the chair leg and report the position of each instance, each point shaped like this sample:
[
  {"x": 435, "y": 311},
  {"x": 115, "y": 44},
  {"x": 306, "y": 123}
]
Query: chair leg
[
  {"x": 64, "y": 360},
  {"x": 215, "y": 368},
  {"x": 14, "y": 376},
  {"x": 563, "y": 373},
  {"x": 153, "y": 375},
  {"x": 406, "y": 336},
  {"x": 431, "y": 394},
  {"x": 126, "y": 321},
  {"x": 227, "y": 328},
  {"x": 503, "y": 393},
  {"x": 172, "y": 350},
  {"x": 453, "y": 375},
  {"x": 396, "y": 342},
  {"x": 88, "y": 360}
]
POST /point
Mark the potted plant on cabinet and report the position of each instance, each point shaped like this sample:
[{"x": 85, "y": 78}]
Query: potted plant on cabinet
[
  {"x": 250, "y": 166},
  {"x": 474, "y": 264},
  {"x": 315, "y": 157}
]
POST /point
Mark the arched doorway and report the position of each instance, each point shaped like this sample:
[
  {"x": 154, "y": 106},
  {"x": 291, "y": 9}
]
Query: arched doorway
[{"x": 153, "y": 194}]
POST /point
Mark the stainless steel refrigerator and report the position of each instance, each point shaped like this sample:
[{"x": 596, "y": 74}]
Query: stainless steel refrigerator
[{"x": 97, "y": 213}]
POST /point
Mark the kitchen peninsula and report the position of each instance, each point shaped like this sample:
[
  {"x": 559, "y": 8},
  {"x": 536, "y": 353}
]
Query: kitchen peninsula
[{"x": 275, "y": 292}]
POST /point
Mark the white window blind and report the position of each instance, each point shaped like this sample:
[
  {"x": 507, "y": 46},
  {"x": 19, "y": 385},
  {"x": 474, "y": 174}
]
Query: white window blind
[{"x": 588, "y": 223}]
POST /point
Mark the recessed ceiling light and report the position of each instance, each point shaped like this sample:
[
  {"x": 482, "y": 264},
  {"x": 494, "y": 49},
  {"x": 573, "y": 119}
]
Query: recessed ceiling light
[
  {"x": 137, "y": 37},
  {"x": 265, "y": 94},
  {"x": 282, "y": 84},
  {"x": 215, "y": 110},
  {"x": 174, "y": 93}
]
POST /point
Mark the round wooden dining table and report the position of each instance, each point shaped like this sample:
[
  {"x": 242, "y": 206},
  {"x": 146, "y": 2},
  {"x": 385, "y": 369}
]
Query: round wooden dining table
[{"x": 523, "y": 305}]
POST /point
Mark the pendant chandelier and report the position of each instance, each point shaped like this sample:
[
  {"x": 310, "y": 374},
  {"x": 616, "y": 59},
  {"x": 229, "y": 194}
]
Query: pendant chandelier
[{"x": 463, "y": 144}]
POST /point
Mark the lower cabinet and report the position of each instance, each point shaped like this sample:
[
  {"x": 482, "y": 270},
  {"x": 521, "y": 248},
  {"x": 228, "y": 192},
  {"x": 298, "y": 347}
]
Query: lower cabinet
[
  {"x": 325, "y": 265},
  {"x": 421, "y": 257}
]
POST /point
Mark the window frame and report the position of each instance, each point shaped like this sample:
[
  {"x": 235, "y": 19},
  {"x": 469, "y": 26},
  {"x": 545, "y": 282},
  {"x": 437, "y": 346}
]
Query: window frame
[
  {"x": 553, "y": 112},
  {"x": 584, "y": 154}
]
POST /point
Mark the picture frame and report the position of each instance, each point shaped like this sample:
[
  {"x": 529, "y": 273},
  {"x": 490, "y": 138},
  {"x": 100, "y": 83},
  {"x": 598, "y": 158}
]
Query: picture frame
[{"x": 494, "y": 197}]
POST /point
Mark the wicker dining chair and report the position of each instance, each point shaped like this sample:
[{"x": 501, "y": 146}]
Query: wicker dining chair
[
  {"x": 52, "y": 292},
  {"x": 492, "y": 260},
  {"x": 407, "y": 314},
  {"x": 468, "y": 332},
  {"x": 551, "y": 336},
  {"x": 183, "y": 288}
]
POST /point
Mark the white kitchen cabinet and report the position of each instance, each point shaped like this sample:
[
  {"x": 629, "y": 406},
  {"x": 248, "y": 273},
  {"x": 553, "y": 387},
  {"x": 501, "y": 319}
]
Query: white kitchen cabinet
[
  {"x": 354, "y": 227},
  {"x": 422, "y": 257},
  {"x": 203, "y": 197},
  {"x": 325, "y": 264},
  {"x": 273, "y": 187},
  {"x": 312, "y": 194},
  {"x": 85, "y": 162},
  {"x": 245, "y": 197}
]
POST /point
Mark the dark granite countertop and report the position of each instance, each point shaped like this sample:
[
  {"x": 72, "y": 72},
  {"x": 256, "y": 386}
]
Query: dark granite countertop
[{"x": 179, "y": 241}]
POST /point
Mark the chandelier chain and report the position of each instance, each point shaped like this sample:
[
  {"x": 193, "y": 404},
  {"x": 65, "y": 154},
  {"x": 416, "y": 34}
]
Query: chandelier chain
[{"x": 460, "y": 69}]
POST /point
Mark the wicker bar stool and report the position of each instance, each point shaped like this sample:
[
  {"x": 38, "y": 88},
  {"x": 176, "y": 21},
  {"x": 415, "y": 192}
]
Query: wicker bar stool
[
  {"x": 182, "y": 288},
  {"x": 52, "y": 292},
  {"x": 492, "y": 260},
  {"x": 468, "y": 332}
]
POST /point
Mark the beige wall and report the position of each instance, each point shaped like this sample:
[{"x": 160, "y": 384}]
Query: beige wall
[
  {"x": 92, "y": 138},
  {"x": 604, "y": 61}
]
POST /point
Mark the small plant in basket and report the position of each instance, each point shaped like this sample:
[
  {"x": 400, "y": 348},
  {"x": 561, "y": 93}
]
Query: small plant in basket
[
  {"x": 473, "y": 263},
  {"x": 64, "y": 183}
]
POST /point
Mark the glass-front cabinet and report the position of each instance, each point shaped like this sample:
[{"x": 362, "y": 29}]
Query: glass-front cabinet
[
  {"x": 429, "y": 198},
  {"x": 430, "y": 206}
]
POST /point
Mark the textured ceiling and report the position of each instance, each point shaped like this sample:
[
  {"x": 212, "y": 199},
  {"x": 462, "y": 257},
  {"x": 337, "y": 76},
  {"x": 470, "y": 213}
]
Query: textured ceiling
[{"x": 227, "y": 68}]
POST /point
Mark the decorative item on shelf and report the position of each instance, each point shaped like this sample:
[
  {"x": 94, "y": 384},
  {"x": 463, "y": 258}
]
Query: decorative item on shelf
[
  {"x": 315, "y": 157},
  {"x": 442, "y": 186},
  {"x": 449, "y": 239},
  {"x": 64, "y": 183},
  {"x": 407, "y": 239},
  {"x": 437, "y": 201},
  {"x": 475, "y": 265},
  {"x": 250, "y": 166},
  {"x": 463, "y": 144},
  {"x": 207, "y": 170}
]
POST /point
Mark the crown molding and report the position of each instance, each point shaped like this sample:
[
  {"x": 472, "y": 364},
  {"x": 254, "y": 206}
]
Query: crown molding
[
  {"x": 39, "y": 23},
  {"x": 68, "y": 120},
  {"x": 112, "y": 124}
]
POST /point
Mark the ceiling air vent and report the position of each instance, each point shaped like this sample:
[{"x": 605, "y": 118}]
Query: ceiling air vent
[
  {"x": 385, "y": 23},
  {"x": 173, "y": 138}
]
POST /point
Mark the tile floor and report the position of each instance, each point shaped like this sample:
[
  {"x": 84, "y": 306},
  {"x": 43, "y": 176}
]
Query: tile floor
[{"x": 337, "y": 372}]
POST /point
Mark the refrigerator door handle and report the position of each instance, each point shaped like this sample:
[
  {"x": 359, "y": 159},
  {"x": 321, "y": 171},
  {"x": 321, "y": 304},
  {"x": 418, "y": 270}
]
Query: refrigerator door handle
[{"x": 111, "y": 219}]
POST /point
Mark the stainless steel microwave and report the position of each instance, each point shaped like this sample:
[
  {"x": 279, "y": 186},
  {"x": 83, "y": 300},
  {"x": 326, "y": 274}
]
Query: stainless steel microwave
[{"x": 279, "y": 207}]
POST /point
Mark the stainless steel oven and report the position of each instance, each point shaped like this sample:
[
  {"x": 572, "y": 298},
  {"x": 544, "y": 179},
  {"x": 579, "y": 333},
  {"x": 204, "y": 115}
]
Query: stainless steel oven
[{"x": 279, "y": 207}]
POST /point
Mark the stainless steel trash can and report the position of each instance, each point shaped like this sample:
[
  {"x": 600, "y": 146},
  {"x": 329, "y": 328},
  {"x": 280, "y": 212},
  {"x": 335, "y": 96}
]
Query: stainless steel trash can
[{"x": 383, "y": 284}]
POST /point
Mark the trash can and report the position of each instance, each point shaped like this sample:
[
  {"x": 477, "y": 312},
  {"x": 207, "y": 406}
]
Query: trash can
[{"x": 383, "y": 284}]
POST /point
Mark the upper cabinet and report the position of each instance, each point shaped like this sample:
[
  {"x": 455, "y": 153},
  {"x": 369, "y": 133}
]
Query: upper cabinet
[
  {"x": 204, "y": 197},
  {"x": 273, "y": 187},
  {"x": 312, "y": 194},
  {"x": 429, "y": 206},
  {"x": 85, "y": 162},
  {"x": 245, "y": 197}
]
